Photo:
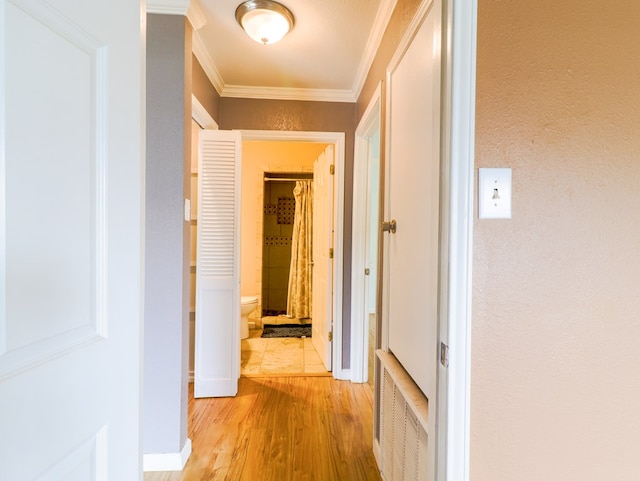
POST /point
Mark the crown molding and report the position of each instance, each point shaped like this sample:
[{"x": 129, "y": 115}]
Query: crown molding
[
  {"x": 196, "y": 16},
  {"x": 373, "y": 43},
  {"x": 168, "y": 7},
  {"x": 200, "y": 51},
  {"x": 201, "y": 116},
  {"x": 278, "y": 93}
]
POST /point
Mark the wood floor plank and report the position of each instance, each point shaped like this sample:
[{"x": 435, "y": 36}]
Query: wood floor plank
[{"x": 281, "y": 429}]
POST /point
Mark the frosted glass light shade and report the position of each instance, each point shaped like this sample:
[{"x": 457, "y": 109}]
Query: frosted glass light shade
[{"x": 264, "y": 21}]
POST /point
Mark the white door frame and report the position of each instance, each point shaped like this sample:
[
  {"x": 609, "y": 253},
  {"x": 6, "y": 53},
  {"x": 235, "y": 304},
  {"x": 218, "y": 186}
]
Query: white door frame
[
  {"x": 338, "y": 139},
  {"x": 359, "y": 326},
  {"x": 457, "y": 187}
]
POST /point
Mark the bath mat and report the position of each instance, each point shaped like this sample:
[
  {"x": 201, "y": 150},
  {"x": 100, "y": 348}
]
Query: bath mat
[{"x": 286, "y": 330}]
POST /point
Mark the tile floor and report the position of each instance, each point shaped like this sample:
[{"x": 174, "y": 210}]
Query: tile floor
[{"x": 279, "y": 356}]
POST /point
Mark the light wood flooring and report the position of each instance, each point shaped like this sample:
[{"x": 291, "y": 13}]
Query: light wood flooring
[{"x": 281, "y": 429}]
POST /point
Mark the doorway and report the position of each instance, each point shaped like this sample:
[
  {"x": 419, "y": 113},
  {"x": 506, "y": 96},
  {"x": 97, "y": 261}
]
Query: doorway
[
  {"x": 333, "y": 141},
  {"x": 279, "y": 209},
  {"x": 252, "y": 230},
  {"x": 365, "y": 256},
  {"x": 282, "y": 212}
]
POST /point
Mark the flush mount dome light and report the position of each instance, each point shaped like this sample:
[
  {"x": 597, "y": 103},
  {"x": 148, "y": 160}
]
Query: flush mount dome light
[{"x": 264, "y": 21}]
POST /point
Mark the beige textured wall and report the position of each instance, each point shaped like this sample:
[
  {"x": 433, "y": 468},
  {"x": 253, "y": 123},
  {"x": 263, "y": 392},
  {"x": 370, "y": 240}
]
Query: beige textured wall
[
  {"x": 556, "y": 298},
  {"x": 258, "y": 158}
]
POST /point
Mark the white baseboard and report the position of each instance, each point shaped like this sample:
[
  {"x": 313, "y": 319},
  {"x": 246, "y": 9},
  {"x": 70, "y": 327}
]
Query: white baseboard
[{"x": 167, "y": 461}]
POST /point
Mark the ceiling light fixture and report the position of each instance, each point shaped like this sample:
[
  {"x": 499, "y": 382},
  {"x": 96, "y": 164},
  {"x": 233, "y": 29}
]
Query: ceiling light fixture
[{"x": 264, "y": 21}]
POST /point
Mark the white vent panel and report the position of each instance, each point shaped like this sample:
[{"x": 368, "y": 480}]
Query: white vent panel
[{"x": 403, "y": 424}]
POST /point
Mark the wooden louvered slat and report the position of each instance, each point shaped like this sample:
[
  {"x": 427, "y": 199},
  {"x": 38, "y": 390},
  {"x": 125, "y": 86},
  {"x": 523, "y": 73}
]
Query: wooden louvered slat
[
  {"x": 412, "y": 428},
  {"x": 399, "y": 435},
  {"x": 422, "y": 455},
  {"x": 386, "y": 426}
]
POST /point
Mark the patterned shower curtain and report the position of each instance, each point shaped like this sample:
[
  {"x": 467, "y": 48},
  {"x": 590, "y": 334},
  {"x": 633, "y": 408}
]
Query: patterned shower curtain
[{"x": 299, "y": 296}]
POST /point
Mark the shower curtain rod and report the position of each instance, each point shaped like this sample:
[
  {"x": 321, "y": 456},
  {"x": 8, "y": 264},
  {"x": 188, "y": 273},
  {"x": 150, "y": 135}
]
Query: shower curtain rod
[{"x": 279, "y": 179}]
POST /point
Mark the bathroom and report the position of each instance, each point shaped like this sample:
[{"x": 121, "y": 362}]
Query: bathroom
[{"x": 265, "y": 253}]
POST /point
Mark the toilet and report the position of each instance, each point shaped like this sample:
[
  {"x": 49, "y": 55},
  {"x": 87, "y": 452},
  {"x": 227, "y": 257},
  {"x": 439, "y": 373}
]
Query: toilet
[{"x": 247, "y": 305}]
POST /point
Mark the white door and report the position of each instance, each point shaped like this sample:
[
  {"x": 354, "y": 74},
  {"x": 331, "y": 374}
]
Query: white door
[
  {"x": 71, "y": 243},
  {"x": 217, "y": 339},
  {"x": 322, "y": 294},
  {"x": 412, "y": 198}
]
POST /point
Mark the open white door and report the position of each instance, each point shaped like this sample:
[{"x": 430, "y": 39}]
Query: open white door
[
  {"x": 71, "y": 224},
  {"x": 322, "y": 303},
  {"x": 217, "y": 340}
]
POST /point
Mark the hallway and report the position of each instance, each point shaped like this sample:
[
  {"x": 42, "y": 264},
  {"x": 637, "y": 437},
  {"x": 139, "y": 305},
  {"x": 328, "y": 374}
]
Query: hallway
[{"x": 281, "y": 429}]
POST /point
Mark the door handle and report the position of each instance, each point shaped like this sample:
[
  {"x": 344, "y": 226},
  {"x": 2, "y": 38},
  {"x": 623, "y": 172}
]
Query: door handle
[{"x": 389, "y": 226}]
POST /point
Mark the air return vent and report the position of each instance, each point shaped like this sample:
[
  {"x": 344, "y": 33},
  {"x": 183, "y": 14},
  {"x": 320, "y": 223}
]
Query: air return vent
[{"x": 403, "y": 423}]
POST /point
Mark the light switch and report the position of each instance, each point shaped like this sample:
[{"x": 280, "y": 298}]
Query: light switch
[{"x": 494, "y": 193}]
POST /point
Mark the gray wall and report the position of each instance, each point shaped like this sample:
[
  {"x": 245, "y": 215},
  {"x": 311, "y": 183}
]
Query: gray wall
[{"x": 167, "y": 234}]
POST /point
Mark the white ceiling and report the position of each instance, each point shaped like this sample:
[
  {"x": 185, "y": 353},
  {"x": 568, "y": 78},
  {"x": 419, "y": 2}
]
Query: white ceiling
[{"x": 325, "y": 57}]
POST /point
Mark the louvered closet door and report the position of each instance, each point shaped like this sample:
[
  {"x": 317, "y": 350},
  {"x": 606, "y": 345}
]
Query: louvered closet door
[{"x": 217, "y": 343}]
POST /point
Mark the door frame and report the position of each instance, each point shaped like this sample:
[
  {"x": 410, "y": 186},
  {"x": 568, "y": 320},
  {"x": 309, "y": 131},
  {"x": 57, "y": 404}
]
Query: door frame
[
  {"x": 460, "y": 21},
  {"x": 338, "y": 140},
  {"x": 359, "y": 319}
]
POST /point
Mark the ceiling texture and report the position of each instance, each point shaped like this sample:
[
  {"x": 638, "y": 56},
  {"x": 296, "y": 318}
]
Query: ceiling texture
[{"x": 325, "y": 57}]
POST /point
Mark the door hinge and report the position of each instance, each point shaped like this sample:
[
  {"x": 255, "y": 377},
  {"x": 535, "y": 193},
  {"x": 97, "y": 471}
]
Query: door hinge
[
  {"x": 332, "y": 169},
  {"x": 330, "y": 336},
  {"x": 389, "y": 226},
  {"x": 331, "y": 253},
  {"x": 444, "y": 354}
]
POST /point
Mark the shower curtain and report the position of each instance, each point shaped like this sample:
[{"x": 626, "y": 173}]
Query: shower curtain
[{"x": 299, "y": 296}]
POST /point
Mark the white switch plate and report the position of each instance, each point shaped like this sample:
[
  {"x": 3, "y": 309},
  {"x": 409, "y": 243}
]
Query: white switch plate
[{"x": 494, "y": 193}]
